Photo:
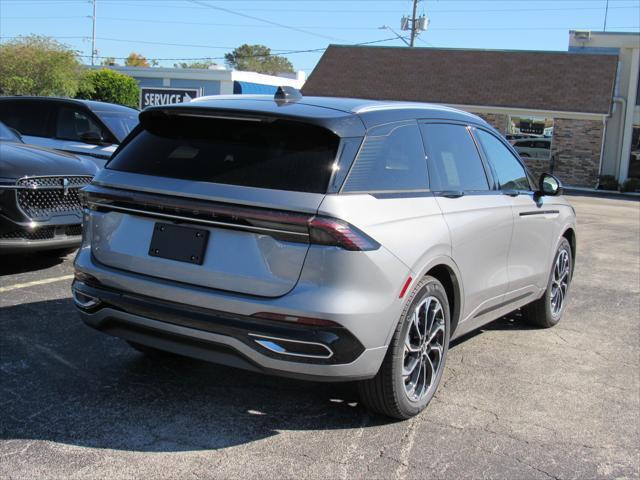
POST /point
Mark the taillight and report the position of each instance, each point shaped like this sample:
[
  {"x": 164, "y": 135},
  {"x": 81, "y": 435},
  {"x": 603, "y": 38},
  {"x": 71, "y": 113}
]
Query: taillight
[{"x": 331, "y": 231}]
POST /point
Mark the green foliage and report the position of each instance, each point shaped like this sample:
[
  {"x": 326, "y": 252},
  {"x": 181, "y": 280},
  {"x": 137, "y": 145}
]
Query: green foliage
[
  {"x": 109, "y": 86},
  {"x": 608, "y": 182},
  {"x": 35, "y": 65},
  {"x": 257, "y": 58},
  {"x": 203, "y": 64},
  {"x": 631, "y": 184}
]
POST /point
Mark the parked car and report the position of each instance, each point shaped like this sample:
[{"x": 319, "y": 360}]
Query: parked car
[
  {"x": 320, "y": 238},
  {"x": 39, "y": 205},
  {"x": 83, "y": 127},
  {"x": 537, "y": 149}
]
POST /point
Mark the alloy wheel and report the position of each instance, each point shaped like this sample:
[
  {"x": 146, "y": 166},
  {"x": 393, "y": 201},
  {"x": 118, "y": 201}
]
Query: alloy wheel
[
  {"x": 560, "y": 282},
  {"x": 423, "y": 348}
]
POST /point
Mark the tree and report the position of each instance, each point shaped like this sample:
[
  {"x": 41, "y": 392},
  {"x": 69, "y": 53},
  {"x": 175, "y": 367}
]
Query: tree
[
  {"x": 203, "y": 64},
  {"x": 109, "y": 86},
  {"x": 136, "y": 60},
  {"x": 35, "y": 65},
  {"x": 109, "y": 62},
  {"x": 257, "y": 58}
]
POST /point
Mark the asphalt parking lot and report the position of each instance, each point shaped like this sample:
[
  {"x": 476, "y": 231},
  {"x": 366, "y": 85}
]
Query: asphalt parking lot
[{"x": 515, "y": 403}]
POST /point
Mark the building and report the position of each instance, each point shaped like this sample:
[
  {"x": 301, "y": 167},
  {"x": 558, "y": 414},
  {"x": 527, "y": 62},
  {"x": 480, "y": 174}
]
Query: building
[
  {"x": 564, "y": 94},
  {"x": 621, "y": 157},
  {"x": 213, "y": 81}
]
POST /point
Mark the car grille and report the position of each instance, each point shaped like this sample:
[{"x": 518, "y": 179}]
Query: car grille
[
  {"x": 47, "y": 196},
  {"x": 43, "y": 233}
]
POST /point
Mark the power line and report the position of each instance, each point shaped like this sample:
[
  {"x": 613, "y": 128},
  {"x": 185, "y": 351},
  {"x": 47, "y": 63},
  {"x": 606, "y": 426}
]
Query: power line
[{"x": 252, "y": 17}]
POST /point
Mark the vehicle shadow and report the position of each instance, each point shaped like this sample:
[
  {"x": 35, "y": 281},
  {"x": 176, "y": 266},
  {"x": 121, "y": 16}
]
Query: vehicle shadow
[
  {"x": 15, "y": 264},
  {"x": 64, "y": 382},
  {"x": 512, "y": 321}
]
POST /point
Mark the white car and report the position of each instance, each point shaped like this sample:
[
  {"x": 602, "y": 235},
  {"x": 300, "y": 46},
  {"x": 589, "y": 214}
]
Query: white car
[{"x": 536, "y": 148}]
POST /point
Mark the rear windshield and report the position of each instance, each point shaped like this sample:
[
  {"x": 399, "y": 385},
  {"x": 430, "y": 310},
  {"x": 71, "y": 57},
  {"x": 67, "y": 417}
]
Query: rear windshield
[{"x": 276, "y": 154}]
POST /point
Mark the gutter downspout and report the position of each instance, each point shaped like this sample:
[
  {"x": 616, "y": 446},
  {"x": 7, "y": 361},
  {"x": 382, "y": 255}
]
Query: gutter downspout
[
  {"x": 623, "y": 117},
  {"x": 604, "y": 136}
]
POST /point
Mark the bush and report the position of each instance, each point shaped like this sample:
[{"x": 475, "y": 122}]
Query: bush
[
  {"x": 631, "y": 185},
  {"x": 608, "y": 182},
  {"x": 36, "y": 65},
  {"x": 109, "y": 86}
]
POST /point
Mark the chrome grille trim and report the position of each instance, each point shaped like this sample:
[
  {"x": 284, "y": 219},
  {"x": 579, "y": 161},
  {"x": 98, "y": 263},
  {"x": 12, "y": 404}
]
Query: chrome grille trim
[{"x": 45, "y": 196}]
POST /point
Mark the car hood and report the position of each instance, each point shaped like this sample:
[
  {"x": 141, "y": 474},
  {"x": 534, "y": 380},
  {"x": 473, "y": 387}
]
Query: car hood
[{"x": 19, "y": 160}]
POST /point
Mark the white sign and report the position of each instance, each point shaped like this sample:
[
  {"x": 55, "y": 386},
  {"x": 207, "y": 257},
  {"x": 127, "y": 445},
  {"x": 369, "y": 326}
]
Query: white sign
[{"x": 150, "y": 97}]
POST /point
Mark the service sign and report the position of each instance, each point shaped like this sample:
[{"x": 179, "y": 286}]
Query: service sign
[{"x": 150, "y": 97}]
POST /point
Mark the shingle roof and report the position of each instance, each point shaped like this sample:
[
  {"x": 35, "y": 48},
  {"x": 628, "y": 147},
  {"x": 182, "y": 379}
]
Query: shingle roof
[{"x": 558, "y": 81}]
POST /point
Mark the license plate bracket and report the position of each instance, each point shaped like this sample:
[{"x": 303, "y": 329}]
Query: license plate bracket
[{"x": 179, "y": 243}]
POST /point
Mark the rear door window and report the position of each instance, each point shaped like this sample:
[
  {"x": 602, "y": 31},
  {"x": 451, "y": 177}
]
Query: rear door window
[
  {"x": 392, "y": 158},
  {"x": 510, "y": 172},
  {"x": 73, "y": 122},
  {"x": 27, "y": 117},
  {"x": 454, "y": 161},
  {"x": 276, "y": 154}
]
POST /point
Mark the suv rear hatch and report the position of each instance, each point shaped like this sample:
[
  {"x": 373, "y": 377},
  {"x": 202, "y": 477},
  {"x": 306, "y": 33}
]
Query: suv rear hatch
[{"x": 250, "y": 185}]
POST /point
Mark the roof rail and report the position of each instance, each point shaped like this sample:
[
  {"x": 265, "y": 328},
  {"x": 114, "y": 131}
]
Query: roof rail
[{"x": 287, "y": 95}]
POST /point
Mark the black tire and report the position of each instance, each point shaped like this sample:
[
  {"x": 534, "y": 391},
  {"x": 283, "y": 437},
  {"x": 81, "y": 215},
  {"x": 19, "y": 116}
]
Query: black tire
[
  {"x": 149, "y": 351},
  {"x": 385, "y": 393},
  {"x": 540, "y": 313}
]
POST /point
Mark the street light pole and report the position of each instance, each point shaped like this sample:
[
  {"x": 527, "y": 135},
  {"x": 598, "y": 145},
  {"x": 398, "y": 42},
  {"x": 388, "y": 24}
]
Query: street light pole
[{"x": 387, "y": 27}]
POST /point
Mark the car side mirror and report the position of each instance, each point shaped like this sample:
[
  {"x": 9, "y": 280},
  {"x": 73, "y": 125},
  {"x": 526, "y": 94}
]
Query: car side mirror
[
  {"x": 549, "y": 185},
  {"x": 93, "y": 138}
]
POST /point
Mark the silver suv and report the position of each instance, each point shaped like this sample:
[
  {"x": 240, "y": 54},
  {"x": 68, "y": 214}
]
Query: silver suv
[{"x": 320, "y": 238}]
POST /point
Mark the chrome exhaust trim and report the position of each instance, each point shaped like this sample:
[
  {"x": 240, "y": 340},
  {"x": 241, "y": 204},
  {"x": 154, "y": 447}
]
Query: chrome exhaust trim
[{"x": 282, "y": 346}]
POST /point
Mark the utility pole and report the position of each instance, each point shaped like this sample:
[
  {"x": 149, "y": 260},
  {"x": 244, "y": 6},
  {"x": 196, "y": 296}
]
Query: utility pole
[
  {"x": 413, "y": 23},
  {"x": 606, "y": 11},
  {"x": 93, "y": 35}
]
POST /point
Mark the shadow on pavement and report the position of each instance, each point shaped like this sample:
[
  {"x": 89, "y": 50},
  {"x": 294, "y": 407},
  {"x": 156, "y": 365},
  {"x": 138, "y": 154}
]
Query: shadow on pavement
[
  {"x": 14, "y": 264},
  {"x": 64, "y": 382}
]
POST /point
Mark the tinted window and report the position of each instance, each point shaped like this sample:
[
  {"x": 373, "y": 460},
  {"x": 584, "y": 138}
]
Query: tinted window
[
  {"x": 29, "y": 118},
  {"x": 454, "y": 161},
  {"x": 545, "y": 145},
  {"x": 73, "y": 122},
  {"x": 391, "y": 158},
  {"x": 280, "y": 155},
  {"x": 511, "y": 174},
  {"x": 120, "y": 123}
]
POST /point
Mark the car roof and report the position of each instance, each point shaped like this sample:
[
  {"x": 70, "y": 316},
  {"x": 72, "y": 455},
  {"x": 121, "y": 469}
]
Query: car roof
[
  {"x": 91, "y": 104},
  {"x": 371, "y": 112}
]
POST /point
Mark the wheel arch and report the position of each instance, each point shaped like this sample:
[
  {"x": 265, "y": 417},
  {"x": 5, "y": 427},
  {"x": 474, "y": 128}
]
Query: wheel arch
[
  {"x": 445, "y": 270},
  {"x": 570, "y": 235}
]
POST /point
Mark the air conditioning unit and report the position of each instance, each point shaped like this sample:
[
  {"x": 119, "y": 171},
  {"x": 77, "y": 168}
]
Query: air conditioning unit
[{"x": 582, "y": 35}]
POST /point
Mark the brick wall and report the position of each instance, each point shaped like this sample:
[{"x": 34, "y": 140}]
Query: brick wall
[
  {"x": 498, "y": 121},
  {"x": 576, "y": 149}
]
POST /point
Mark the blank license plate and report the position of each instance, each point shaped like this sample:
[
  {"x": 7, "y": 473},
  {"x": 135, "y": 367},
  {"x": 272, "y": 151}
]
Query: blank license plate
[{"x": 174, "y": 242}]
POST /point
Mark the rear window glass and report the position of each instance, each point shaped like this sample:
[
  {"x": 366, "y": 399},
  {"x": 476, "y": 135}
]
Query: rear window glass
[
  {"x": 277, "y": 154},
  {"x": 391, "y": 159}
]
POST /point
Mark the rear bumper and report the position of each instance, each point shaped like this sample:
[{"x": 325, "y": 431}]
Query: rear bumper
[{"x": 311, "y": 353}]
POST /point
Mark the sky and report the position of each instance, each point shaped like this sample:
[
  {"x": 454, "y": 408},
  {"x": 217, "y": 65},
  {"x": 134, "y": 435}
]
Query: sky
[{"x": 180, "y": 30}]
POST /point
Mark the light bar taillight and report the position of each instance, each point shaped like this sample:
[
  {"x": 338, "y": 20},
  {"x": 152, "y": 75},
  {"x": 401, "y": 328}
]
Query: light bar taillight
[{"x": 331, "y": 231}]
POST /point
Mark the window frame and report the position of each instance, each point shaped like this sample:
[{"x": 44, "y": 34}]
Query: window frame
[
  {"x": 491, "y": 179},
  {"x": 404, "y": 192},
  {"x": 514, "y": 153}
]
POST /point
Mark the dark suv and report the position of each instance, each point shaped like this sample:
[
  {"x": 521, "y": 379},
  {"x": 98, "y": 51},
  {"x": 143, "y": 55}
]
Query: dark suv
[{"x": 82, "y": 127}]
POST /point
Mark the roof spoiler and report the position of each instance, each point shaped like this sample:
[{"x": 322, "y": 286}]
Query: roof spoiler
[{"x": 287, "y": 95}]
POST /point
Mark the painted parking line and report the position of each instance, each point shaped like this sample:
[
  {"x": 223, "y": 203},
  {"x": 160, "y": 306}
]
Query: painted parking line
[{"x": 18, "y": 286}]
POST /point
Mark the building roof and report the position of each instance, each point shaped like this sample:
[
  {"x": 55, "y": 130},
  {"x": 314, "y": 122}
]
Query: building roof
[{"x": 555, "y": 81}]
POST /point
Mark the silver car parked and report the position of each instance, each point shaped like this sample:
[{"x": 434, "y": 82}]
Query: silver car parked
[{"x": 320, "y": 238}]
